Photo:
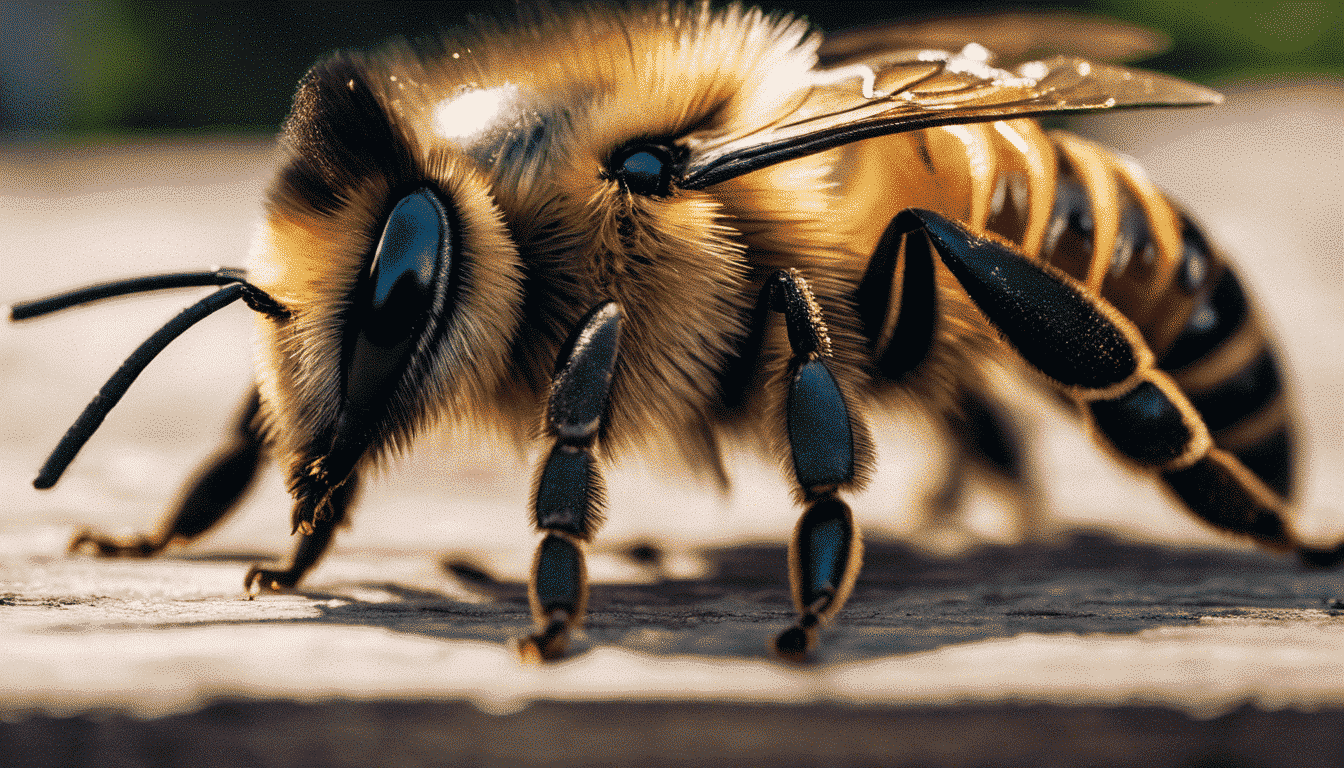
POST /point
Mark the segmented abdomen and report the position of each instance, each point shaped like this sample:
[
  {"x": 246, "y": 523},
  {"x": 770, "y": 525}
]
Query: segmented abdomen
[{"x": 1111, "y": 229}]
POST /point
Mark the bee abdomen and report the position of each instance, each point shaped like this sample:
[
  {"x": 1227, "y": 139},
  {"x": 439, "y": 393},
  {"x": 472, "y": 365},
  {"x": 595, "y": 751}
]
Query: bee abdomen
[
  {"x": 1224, "y": 361},
  {"x": 1114, "y": 232}
]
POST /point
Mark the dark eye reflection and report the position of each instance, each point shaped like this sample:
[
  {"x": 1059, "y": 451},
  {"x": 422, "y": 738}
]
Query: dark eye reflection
[
  {"x": 394, "y": 301},
  {"x": 644, "y": 169}
]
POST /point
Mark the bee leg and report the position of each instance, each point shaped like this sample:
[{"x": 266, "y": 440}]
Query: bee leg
[
  {"x": 897, "y": 298},
  {"x": 216, "y": 489},
  {"x": 897, "y": 306},
  {"x": 824, "y": 559},
  {"x": 1100, "y": 359},
  {"x": 568, "y": 496},
  {"x": 312, "y": 545},
  {"x": 826, "y": 443}
]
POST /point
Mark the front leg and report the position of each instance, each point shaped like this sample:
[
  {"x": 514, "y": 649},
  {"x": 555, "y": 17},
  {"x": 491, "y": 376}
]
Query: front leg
[
  {"x": 212, "y": 494},
  {"x": 312, "y": 546},
  {"x": 567, "y": 502},
  {"x": 1099, "y": 358}
]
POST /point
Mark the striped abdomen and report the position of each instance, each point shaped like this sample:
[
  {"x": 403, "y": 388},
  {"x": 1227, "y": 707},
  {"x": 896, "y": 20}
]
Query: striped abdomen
[
  {"x": 1111, "y": 229},
  {"x": 1097, "y": 217}
]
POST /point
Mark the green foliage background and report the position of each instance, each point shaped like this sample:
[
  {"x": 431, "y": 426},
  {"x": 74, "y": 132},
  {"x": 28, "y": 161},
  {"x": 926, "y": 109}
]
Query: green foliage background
[{"x": 127, "y": 66}]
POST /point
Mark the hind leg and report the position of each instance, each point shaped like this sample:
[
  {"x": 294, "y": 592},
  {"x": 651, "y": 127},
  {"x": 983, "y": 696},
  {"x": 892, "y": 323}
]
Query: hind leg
[
  {"x": 896, "y": 301},
  {"x": 1099, "y": 358},
  {"x": 209, "y": 496}
]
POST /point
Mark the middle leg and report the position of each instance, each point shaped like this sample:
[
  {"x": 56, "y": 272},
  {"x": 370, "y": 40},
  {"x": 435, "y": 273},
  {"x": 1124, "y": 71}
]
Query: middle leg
[{"x": 828, "y": 444}]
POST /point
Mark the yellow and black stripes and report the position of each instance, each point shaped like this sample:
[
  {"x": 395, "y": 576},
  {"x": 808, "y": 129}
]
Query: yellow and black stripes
[
  {"x": 1222, "y": 358},
  {"x": 1150, "y": 328},
  {"x": 1221, "y": 309},
  {"x": 1025, "y": 188},
  {"x": 1190, "y": 306},
  {"x": 1100, "y": 358},
  {"x": 1111, "y": 229}
]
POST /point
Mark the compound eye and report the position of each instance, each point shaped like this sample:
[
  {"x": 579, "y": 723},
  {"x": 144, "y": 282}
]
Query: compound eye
[
  {"x": 644, "y": 169},
  {"x": 393, "y": 306}
]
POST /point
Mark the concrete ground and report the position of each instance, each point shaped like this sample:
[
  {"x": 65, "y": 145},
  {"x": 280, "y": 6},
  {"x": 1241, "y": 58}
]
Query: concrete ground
[{"x": 1125, "y": 633}]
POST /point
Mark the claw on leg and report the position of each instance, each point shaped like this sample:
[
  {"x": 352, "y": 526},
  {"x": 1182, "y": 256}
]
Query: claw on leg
[
  {"x": 312, "y": 546},
  {"x": 796, "y": 643},
  {"x": 549, "y": 644},
  {"x": 824, "y": 560},
  {"x": 558, "y": 596},
  {"x": 259, "y": 580}
]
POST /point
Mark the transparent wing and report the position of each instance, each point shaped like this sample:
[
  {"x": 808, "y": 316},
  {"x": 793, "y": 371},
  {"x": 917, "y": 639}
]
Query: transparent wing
[
  {"x": 1013, "y": 37},
  {"x": 906, "y": 91}
]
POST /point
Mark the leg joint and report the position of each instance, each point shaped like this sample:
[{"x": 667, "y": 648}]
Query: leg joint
[
  {"x": 1145, "y": 425},
  {"x": 788, "y": 293},
  {"x": 897, "y": 299},
  {"x": 569, "y": 493}
]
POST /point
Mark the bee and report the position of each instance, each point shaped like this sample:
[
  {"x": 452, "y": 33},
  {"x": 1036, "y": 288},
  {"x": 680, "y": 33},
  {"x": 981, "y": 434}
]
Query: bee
[{"x": 661, "y": 227}]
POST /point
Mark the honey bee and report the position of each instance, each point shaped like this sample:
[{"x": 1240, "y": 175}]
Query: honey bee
[{"x": 659, "y": 227}]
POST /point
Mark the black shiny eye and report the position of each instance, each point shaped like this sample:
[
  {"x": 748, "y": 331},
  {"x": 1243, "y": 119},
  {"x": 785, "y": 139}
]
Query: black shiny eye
[
  {"x": 394, "y": 301},
  {"x": 644, "y": 169}
]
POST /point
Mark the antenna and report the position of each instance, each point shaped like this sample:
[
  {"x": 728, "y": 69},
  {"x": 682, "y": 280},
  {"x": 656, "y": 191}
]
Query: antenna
[{"x": 235, "y": 287}]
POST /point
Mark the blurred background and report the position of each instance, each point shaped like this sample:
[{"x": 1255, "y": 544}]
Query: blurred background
[{"x": 76, "y": 68}]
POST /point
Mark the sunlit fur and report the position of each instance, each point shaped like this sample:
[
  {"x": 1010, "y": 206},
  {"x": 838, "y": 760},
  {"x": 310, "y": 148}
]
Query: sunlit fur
[
  {"x": 550, "y": 225},
  {"x": 547, "y": 232},
  {"x": 311, "y": 263}
]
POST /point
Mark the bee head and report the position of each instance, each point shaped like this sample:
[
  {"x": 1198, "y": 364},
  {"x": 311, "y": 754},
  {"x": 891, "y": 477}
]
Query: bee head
[{"x": 402, "y": 284}]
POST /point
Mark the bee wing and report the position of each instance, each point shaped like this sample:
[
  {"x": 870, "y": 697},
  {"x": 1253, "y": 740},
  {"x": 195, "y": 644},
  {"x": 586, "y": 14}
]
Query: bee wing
[
  {"x": 893, "y": 93},
  {"x": 1013, "y": 37}
]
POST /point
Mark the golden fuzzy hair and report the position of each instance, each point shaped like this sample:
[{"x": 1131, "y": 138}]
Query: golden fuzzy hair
[
  {"x": 547, "y": 233},
  {"x": 543, "y": 221}
]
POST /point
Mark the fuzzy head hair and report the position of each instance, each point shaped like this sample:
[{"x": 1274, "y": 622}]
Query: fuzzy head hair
[{"x": 515, "y": 130}]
